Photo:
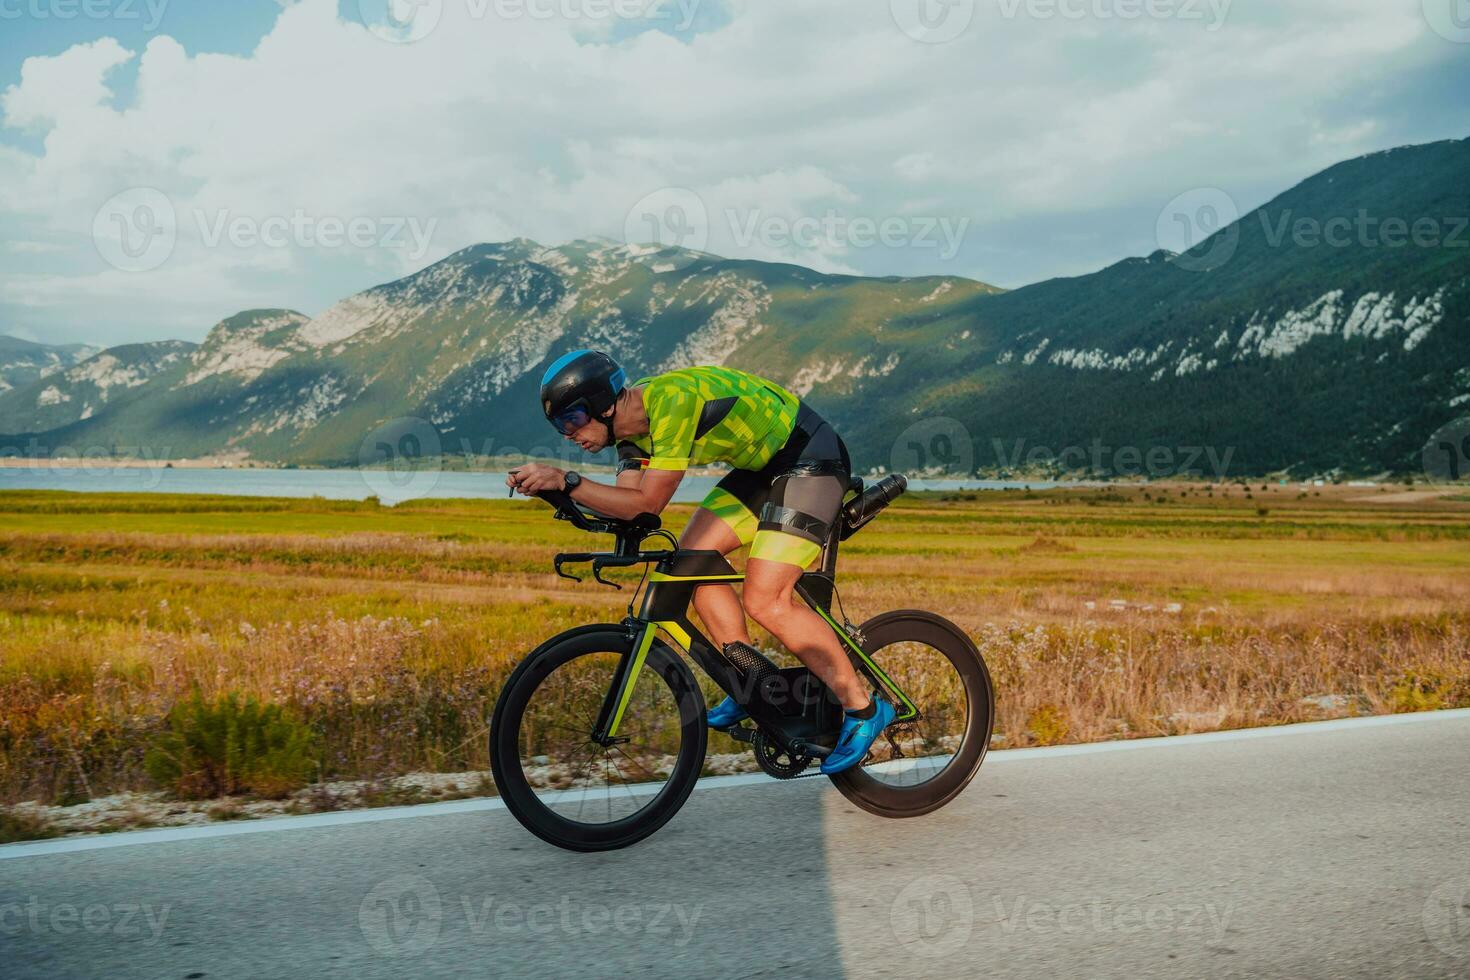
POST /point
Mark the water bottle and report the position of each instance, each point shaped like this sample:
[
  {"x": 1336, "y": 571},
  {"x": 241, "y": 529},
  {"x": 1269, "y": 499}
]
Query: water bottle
[{"x": 866, "y": 506}]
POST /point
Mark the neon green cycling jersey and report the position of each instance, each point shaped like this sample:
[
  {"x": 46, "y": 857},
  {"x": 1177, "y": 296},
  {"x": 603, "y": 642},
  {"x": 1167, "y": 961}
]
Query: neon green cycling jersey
[{"x": 705, "y": 415}]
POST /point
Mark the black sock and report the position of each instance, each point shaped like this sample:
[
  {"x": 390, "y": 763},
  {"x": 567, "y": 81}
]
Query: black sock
[{"x": 864, "y": 713}]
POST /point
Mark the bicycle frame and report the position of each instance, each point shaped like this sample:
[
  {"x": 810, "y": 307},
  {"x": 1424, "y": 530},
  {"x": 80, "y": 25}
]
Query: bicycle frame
[{"x": 666, "y": 607}]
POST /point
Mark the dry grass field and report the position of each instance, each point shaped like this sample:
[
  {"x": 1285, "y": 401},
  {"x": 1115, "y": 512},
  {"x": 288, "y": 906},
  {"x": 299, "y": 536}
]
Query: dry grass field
[{"x": 385, "y": 633}]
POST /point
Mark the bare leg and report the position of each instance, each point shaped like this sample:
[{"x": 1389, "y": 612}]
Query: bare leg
[
  {"x": 717, "y": 604},
  {"x": 771, "y": 602}
]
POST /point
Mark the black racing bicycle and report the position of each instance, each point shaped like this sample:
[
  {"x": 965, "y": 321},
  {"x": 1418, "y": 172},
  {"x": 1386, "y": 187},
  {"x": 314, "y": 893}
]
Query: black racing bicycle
[{"x": 599, "y": 735}]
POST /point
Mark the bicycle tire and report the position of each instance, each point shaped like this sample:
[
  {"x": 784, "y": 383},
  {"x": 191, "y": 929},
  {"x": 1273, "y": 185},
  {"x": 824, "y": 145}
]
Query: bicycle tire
[
  {"x": 913, "y": 625},
  {"x": 515, "y": 788}
]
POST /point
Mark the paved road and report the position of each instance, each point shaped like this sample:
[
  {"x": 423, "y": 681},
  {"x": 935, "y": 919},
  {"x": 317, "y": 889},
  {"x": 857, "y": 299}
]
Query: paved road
[{"x": 1331, "y": 851}]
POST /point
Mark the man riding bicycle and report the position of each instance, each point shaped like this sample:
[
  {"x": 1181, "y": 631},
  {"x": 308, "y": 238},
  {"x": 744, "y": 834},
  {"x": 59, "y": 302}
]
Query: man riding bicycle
[{"x": 789, "y": 473}]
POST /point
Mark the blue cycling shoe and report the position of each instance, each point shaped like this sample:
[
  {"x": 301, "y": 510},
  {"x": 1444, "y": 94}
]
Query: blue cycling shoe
[
  {"x": 858, "y": 736},
  {"x": 727, "y": 714}
]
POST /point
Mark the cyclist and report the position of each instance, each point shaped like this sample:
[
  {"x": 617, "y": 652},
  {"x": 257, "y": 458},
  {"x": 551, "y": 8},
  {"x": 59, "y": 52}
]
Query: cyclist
[{"x": 790, "y": 471}]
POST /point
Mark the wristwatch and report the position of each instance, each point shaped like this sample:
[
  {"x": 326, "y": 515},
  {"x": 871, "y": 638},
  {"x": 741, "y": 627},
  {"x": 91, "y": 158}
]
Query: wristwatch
[{"x": 573, "y": 480}]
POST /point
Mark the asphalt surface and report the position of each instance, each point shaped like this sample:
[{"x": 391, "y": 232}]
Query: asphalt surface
[{"x": 1328, "y": 851}]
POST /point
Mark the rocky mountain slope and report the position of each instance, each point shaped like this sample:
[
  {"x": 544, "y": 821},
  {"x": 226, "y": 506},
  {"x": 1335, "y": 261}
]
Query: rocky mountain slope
[
  {"x": 1326, "y": 330},
  {"x": 24, "y": 361},
  {"x": 97, "y": 384}
]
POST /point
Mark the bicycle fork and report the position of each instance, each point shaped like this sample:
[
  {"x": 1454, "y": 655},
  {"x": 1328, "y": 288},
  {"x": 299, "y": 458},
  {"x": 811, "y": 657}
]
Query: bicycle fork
[{"x": 620, "y": 692}]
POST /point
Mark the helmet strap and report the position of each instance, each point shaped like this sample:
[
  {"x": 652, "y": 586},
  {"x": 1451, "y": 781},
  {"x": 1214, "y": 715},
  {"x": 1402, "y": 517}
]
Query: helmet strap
[{"x": 607, "y": 420}]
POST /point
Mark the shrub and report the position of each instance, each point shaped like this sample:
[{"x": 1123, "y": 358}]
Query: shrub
[
  {"x": 18, "y": 826},
  {"x": 1048, "y": 725},
  {"x": 1421, "y": 691},
  {"x": 230, "y": 746}
]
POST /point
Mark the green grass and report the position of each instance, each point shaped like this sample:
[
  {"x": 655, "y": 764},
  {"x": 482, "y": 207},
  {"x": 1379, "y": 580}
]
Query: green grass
[{"x": 388, "y": 631}]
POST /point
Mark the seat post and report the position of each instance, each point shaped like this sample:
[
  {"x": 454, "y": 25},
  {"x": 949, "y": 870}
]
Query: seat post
[{"x": 819, "y": 583}]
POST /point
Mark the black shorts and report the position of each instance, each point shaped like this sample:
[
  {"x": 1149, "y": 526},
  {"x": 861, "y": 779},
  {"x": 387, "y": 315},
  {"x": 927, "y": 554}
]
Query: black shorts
[{"x": 785, "y": 510}]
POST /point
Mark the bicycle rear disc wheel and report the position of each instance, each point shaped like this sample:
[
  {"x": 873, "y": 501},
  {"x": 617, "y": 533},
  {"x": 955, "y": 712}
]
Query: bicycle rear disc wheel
[
  {"x": 918, "y": 766},
  {"x": 565, "y": 787}
]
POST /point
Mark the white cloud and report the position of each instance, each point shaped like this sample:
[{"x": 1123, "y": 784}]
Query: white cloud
[
  {"x": 33, "y": 248},
  {"x": 502, "y": 127},
  {"x": 66, "y": 89}
]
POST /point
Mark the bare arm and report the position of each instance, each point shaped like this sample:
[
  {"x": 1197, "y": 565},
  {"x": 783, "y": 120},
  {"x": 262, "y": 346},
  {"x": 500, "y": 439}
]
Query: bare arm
[{"x": 637, "y": 492}]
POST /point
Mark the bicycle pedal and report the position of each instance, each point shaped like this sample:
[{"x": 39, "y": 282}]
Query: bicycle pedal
[{"x": 739, "y": 733}]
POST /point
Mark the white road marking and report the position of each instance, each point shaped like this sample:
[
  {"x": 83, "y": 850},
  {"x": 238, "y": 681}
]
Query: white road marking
[{"x": 313, "y": 821}]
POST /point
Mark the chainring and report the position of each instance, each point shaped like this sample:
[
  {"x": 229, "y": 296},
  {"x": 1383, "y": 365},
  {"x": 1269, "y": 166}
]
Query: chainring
[{"x": 776, "y": 761}]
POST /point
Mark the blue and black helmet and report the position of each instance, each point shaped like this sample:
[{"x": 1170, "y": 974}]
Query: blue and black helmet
[{"x": 579, "y": 386}]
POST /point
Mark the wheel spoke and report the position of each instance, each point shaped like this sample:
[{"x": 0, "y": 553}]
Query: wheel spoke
[
  {"x": 923, "y": 748},
  {"x": 568, "y": 770}
]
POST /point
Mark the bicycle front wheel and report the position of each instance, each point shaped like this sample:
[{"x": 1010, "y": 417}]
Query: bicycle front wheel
[{"x": 568, "y": 789}]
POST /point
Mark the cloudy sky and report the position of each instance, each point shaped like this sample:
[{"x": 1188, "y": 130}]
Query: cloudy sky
[{"x": 165, "y": 163}]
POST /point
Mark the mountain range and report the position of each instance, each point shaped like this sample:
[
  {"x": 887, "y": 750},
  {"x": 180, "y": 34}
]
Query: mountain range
[{"x": 1327, "y": 331}]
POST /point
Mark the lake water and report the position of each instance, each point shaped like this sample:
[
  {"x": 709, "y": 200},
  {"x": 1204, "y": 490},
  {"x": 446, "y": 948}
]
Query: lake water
[{"x": 390, "y": 487}]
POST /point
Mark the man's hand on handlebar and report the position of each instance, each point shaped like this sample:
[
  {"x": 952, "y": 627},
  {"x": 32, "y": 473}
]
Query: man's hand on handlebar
[{"x": 532, "y": 478}]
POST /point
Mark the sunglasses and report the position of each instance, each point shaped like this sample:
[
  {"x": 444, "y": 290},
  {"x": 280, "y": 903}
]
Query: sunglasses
[{"x": 570, "y": 419}]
